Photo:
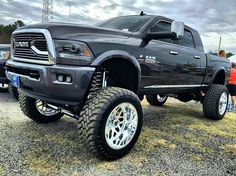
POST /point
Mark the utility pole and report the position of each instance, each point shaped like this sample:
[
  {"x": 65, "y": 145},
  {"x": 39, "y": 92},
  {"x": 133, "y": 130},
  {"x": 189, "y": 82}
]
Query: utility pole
[
  {"x": 220, "y": 44},
  {"x": 47, "y": 13}
]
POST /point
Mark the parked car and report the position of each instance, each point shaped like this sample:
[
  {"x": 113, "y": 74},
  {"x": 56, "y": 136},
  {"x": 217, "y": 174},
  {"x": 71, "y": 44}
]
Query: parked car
[
  {"x": 4, "y": 56},
  {"x": 99, "y": 74}
]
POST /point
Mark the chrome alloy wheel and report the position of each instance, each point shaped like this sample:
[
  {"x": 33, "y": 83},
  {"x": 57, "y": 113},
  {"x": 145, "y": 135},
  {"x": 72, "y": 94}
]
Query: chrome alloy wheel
[
  {"x": 44, "y": 109},
  {"x": 161, "y": 98},
  {"x": 223, "y": 103},
  {"x": 121, "y": 126}
]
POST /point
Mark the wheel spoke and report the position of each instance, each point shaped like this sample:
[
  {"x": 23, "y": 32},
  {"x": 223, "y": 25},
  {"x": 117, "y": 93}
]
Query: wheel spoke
[
  {"x": 223, "y": 103},
  {"x": 123, "y": 139},
  {"x": 121, "y": 126},
  {"x": 161, "y": 98}
]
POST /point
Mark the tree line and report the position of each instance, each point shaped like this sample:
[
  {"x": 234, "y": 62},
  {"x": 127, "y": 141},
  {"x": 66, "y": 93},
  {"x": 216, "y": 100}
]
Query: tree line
[{"x": 7, "y": 30}]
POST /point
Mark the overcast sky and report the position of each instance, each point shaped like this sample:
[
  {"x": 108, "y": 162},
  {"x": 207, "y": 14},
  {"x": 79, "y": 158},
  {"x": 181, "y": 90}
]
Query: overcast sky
[{"x": 212, "y": 18}]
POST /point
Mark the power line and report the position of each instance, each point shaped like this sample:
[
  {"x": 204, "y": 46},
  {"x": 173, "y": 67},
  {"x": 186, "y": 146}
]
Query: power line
[{"x": 47, "y": 13}]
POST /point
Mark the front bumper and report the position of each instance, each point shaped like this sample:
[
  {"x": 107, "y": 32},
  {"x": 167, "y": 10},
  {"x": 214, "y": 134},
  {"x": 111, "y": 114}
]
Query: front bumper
[
  {"x": 3, "y": 78},
  {"x": 40, "y": 82}
]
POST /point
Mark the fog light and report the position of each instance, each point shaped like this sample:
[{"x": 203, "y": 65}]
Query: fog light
[
  {"x": 68, "y": 79},
  {"x": 64, "y": 78},
  {"x": 60, "y": 78}
]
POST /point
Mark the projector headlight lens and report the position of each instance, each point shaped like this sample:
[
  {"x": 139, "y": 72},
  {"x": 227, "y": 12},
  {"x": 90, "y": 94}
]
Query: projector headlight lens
[{"x": 73, "y": 50}]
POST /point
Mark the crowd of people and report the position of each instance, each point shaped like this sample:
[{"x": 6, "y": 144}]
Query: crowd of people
[{"x": 231, "y": 83}]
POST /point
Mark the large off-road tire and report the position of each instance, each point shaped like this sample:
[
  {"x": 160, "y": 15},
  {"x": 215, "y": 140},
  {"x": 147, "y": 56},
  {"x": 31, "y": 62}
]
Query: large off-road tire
[
  {"x": 13, "y": 91},
  {"x": 215, "y": 102},
  {"x": 38, "y": 110},
  {"x": 112, "y": 122},
  {"x": 156, "y": 100}
]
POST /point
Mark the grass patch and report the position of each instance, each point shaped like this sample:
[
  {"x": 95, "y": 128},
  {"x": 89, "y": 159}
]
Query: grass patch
[
  {"x": 197, "y": 159},
  {"x": 108, "y": 166},
  {"x": 230, "y": 148},
  {"x": 178, "y": 124},
  {"x": 152, "y": 144},
  {"x": 39, "y": 162},
  {"x": 139, "y": 161},
  {"x": 2, "y": 169},
  {"x": 75, "y": 173},
  {"x": 59, "y": 138},
  {"x": 224, "y": 128},
  {"x": 151, "y": 139},
  {"x": 42, "y": 161}
]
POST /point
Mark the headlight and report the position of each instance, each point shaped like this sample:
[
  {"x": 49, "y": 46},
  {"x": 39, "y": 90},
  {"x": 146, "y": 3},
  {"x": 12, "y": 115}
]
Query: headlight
[
  {"x": 73, "y": 51},
  {"x": 4, "y": 55}
]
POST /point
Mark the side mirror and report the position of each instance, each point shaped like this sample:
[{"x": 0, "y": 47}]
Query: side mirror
[
  {"x": 160, "y": 35},
  {"x": 178, "y": 29}
]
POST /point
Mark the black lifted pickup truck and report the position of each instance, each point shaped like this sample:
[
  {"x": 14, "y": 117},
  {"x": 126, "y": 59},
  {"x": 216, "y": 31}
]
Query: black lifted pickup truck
[{"x": 99, "y": 74}]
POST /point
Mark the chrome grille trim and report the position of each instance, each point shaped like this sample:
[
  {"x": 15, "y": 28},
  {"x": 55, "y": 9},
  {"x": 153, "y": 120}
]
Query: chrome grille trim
[
  {"x": 43, "y": 57},
  {"x": 43, "y": 62}
]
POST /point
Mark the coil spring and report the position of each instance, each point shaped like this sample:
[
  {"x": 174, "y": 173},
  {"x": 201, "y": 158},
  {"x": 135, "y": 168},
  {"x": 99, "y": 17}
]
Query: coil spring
[{"x": 96, "y": 83}]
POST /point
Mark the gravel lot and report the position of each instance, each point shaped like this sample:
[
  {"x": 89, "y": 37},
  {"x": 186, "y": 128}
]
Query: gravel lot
[{"x": 176, "y": 140}]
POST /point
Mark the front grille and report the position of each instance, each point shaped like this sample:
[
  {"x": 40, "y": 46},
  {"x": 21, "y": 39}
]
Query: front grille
[
  {"x": 30, "y": 46},
  {"x": 41, "y": 45}
]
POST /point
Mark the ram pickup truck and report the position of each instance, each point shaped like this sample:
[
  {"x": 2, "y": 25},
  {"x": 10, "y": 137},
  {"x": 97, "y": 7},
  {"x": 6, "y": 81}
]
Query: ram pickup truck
[{"x": 98, "y": 75}]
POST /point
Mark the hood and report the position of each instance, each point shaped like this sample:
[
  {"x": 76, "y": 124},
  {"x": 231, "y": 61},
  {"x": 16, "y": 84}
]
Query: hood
[{"x": 73, "y": 31}]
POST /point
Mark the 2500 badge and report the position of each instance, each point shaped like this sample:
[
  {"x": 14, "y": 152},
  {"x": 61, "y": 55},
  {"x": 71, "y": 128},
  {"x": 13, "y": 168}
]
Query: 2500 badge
[{"x": 150, "y": 59}]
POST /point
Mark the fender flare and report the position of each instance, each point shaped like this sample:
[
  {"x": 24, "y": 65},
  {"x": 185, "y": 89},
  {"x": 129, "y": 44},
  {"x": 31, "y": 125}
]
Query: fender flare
[
  {"x": 216, "y": 73},
  {"x": 118, "y": 54}
]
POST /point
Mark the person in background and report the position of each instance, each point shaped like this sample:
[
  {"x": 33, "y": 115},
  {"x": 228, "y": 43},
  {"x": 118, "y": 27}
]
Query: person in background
[
  {"x": 222, "y": 53},
  {"x": 6, "y": 55},
  {"x": 232, "y": 86}
]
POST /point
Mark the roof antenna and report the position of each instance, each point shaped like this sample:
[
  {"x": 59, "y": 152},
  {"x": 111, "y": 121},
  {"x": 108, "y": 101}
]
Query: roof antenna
[{"x": 142, "y": 13}]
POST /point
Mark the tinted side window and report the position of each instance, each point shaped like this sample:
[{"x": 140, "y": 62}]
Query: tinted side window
[
  {"x": 187, "y": 39},
  {"x": 162, "y": 27},
  {"x": 130, "y": 23}
]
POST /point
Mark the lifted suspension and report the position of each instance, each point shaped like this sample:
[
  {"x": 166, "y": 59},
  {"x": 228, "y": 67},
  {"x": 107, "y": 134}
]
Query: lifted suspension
[{"x": 98, "y": 81}]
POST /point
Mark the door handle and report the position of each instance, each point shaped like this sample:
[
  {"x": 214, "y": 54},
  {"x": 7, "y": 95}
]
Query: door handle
[
  {"x": 174, "y": 53},
  {"x": 197, "y": 57}
]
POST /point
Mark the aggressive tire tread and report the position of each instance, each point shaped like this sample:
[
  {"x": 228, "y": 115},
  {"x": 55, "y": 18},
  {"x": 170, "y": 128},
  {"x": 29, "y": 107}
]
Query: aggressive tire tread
[
  {"x": 211, "y": 102},
  {"x": 13, "y": 91},
  {"x": 92, "y": 115},
  {"x": 28, "y": 107}
]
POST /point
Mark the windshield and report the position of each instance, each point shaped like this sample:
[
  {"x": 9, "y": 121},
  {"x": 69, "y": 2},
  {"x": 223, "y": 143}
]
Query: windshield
[{"x": 126, "y": 23}]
